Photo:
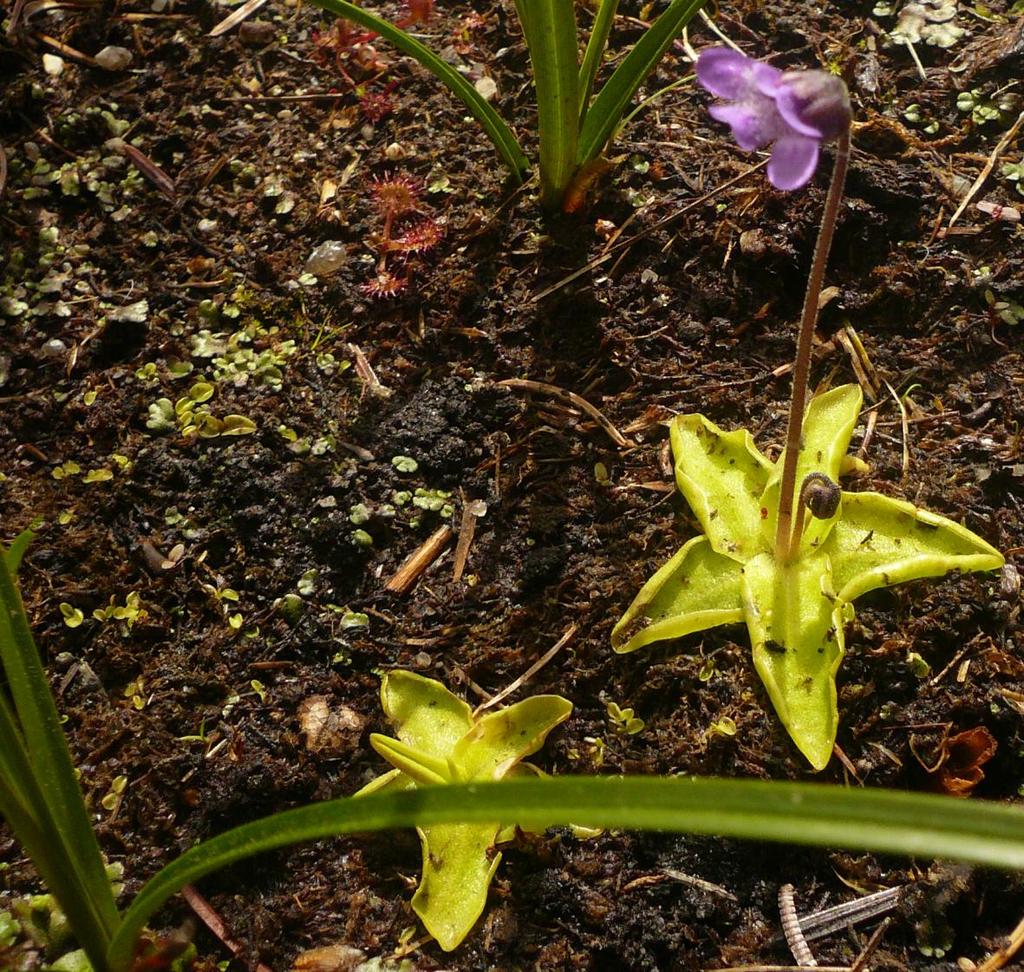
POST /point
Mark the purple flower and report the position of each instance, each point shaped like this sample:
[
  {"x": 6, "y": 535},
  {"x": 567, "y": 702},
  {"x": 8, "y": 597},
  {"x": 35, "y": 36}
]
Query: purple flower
[{"x": 796, "y": 111}]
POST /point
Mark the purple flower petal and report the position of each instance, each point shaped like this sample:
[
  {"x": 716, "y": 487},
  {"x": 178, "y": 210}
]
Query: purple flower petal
[
  {"x": 766, "y": 78},
  {"x": 794, "y": 159},
  {"x": 751, "y": 128},
  {"x": 792, "y": 108},
  {"x": 724, "y": 72},
  {"x": 814, "y": 103}
]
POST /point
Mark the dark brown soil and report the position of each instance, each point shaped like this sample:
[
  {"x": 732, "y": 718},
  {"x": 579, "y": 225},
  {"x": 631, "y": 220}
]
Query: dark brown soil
[{"x": 199, "y": 708}]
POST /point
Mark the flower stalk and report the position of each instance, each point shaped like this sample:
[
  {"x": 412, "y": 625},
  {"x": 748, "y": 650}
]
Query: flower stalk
[{"x": 787, "y": 541}]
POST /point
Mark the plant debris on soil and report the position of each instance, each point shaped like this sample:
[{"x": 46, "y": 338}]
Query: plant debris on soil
[{"x": 236, "y": 397}]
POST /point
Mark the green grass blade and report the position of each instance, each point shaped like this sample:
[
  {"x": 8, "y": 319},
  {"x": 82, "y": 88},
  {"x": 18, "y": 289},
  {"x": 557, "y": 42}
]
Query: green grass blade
[
  {"x": 19, "y": 791},
  {"x": 497, "y": 131},
  {"x": 610, "y": 104},
  {"x": 27, "y": 813},
  {"x": 16, "y": 780},
  {"x": 52, "y": 785},
  {"x": 16, "y": 551},
  {"x": 523, "y": 12},
  {"x": 596, "y": 44},
  {"x": 550, "y": 30},
  {"x": 805, "y": 813},
  {"x": 57, "y": 872}
]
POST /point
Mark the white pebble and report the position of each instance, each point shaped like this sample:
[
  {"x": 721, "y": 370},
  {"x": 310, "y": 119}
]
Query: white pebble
[
  {"x": 486, "y": 88},
  {"x": 114, "y": 58},
  {"x": 329, "y": 257}
]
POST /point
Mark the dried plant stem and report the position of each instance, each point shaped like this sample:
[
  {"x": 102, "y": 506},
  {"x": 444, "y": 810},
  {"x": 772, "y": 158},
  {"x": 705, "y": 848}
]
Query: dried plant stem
[
  {"x": 419, "y": 560},
  {"x": 791, "y": 928},
  {"x": 802, "y": 366}
]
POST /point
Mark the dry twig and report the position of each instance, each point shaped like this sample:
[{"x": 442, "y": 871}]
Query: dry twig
[
  {"x": 419, "y": 560},
  {"x": 570, "y": 398},
  {"x": 211, "y": 919},
  {"x": 471, "y": 512},
  {"x": 999, "y": 959},
  {"x": 783, "y": 968},
  {"x": 365, "y": 371},
  {"x": 149, "y": 169},
  {"x": 530, "y": 672},
  {"x": 873, "y": 942},
  {"x": 66, "y": 50},
  {"x": 236, "y": 17},
  {"x": 986, "y": 170},
  {"x": 901, "y": 405}
]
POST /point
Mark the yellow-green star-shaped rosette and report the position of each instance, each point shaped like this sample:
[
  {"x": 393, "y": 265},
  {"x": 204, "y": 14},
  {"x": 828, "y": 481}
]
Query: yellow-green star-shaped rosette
[
  {"x": 794, "y": 611},
  {"x": 440, "y": 741}
]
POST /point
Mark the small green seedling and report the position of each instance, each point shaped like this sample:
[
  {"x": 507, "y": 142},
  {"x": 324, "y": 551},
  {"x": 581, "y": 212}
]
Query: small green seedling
[
  {"x": 441, "y": 740},
  {"x": 795, "y": 606}
]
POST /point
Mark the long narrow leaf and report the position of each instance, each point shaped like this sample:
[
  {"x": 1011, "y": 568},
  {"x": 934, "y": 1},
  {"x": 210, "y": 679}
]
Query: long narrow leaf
[
  {"x": 16, "y": 551},
  {"x": 550, "y": 30},
  {"x": 806, "y": 813},
  {"x": 60, "y": 811},
  {"x": 16, "y": 791},
  {"x": 57, "y": 872},
  {"x": 523, "y": 13},
  {"x": 596, "y": 44},
  {"x": 610, "y": 104},
  {"x": 24, "y": 806},
  {"x": 19, "y": 793},
  {"x": 497, "y": 131}
]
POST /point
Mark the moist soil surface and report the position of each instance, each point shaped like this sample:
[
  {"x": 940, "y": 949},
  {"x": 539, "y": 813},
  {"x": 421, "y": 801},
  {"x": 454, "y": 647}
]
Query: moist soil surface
[{"x": 239, "y": 450}]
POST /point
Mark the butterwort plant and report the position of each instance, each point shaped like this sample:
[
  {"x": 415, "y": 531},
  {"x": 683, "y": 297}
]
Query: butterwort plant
[
  {"x": 786, "y": 561},
  {"x": 478, "y": 758},
  {"x": 441, "y": 740},
  {"x": 574, "y": 125}
]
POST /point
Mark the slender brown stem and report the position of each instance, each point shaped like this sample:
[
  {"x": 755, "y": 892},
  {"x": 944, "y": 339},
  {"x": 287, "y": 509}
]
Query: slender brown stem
[
  {"x": 798, "y": 524},
  {"x": 802, "y": 366}
]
